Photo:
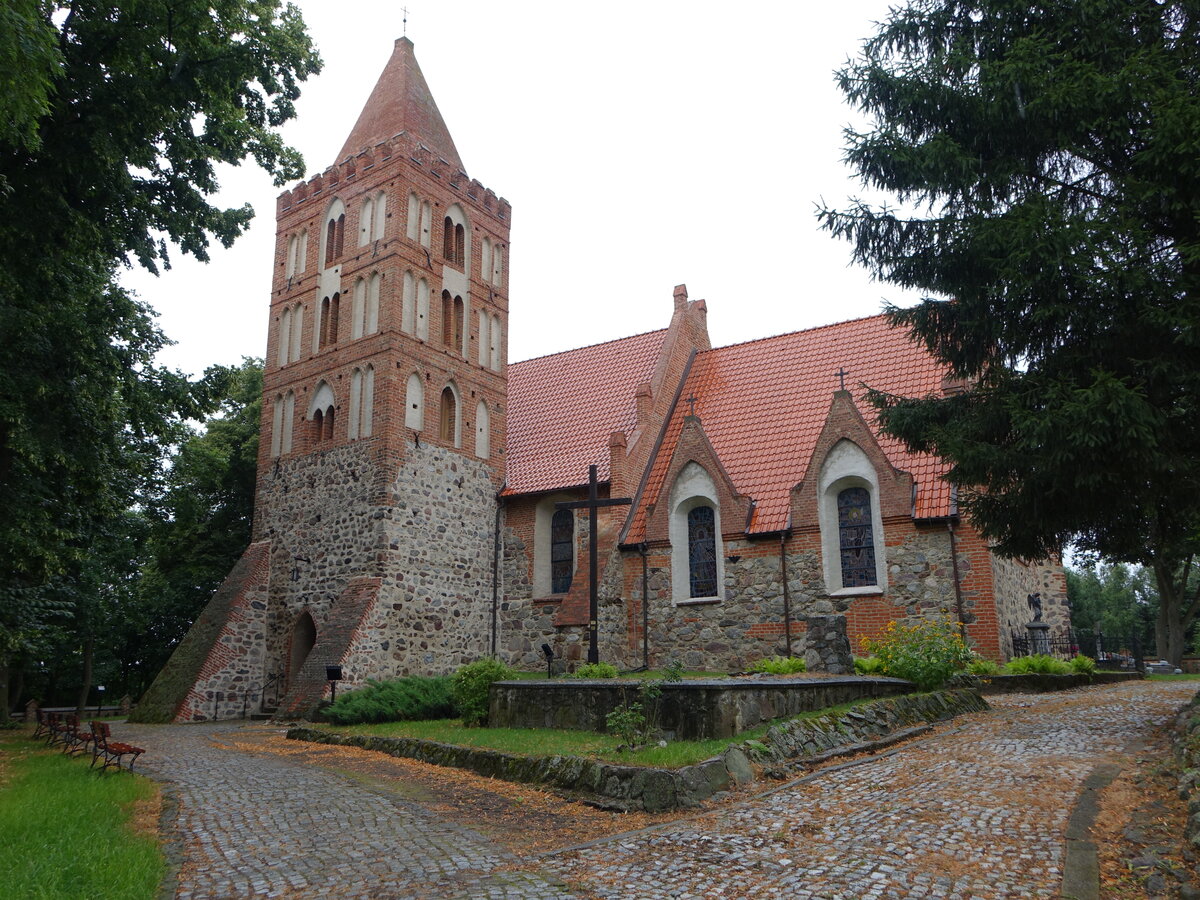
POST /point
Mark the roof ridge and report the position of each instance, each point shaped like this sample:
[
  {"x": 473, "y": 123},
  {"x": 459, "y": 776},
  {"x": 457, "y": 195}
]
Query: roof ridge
[
  {"x": 772, "y": 337},
  {"x": 627, "y": 337}
]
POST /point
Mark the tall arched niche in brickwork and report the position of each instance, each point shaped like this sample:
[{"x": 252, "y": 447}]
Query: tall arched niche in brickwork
[
  {"x": 847, "y": 454},
  {"x": 303, "y": 639}
]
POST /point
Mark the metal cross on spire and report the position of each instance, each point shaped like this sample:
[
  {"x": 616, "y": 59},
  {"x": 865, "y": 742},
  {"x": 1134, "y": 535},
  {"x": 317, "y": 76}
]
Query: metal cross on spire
[
  {"x": 841, "y": 374},
  {"x": 404, "y": 9},
  {"x": 691, "y": 402}
]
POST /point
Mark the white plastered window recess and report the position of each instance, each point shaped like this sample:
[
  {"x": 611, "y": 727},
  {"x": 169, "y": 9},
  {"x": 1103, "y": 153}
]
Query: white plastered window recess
[
  {"x": 853, "y": 552},
  {"x": 545, "y": 570},
  {"x": 697, "y": 558}
]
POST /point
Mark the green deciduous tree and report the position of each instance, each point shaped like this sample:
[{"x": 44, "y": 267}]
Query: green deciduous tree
[
  {"x": 1044, "y": 160},
  {"x": 117, "y": 117}
]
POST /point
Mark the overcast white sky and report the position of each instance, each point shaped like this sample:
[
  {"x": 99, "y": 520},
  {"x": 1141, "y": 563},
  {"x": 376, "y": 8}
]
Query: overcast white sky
[{"x": 641, "y": 145}]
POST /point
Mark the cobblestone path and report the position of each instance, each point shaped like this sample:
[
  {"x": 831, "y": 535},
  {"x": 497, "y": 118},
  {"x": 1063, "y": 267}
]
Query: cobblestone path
[
  {"x": 251, "y": 825},
  {"x": 976, "y": 811}
]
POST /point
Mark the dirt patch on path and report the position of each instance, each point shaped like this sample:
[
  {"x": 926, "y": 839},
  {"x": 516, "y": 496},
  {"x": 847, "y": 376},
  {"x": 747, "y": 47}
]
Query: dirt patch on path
[{"x": 524, "y": 819}]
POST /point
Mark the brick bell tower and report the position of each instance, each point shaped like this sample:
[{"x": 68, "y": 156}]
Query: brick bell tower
[{"x": 383, "y": 426}]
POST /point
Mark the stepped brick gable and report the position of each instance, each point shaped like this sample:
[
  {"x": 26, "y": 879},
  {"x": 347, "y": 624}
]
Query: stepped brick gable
[{"x": 406, "y": 517}]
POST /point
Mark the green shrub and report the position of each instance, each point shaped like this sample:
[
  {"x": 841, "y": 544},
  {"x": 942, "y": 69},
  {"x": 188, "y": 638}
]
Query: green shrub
[
  {"x": 1037, "y": 664},
  {"x": 980, "y": 666},
  {"x": 596, "y": 670},
  {"x": 926, "y": 653},
  {"x": 469, "y": 688},
  {"x": 868, "y": 665},
  {"x": 415, "y": 697},
  {"x": 1083, "y": 665},
  {"x": 780, "y": 665}
]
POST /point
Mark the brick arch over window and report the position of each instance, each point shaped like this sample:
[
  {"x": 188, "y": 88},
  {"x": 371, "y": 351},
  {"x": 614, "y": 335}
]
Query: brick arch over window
[
  {"x": 449, "y": 417},
  {"x": 321, "y": 413},
  {"x": 456, "y": 233},
  {"x": 333, "y": 233}
]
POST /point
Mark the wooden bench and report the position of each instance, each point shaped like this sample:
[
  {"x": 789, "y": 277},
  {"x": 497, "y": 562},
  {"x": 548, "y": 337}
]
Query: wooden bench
[
  {"x": 110, "y": 752},
  {"x": 76, "y": 739}
]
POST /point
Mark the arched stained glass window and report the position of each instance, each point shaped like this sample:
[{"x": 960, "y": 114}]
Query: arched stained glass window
[
  {"x": 702, "y": 551},
  {"x": 855, "y": 538},
  {"x": 562, "y": 551}
]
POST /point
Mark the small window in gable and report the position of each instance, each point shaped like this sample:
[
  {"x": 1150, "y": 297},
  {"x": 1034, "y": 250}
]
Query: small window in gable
[
  {"x": 562, "y": 551},
  {"x": 702, "y": 552},
  {"x": 852, "y": 547},
  {"x": 855, "y": 538},
  {"x": 414, "y": 403},
  {"x": 697, "y": 563}
]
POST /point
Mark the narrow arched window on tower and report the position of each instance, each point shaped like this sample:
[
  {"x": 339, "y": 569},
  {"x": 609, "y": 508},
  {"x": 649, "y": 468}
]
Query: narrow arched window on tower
[
  {"x": 448, "y": 239},
  {"x": 331, "y": 253},
  {"x": 702, "y": 551},
  {"x": 448, "y": 430},
  {"x": 562, "y": 551},
  {"x": 341, "y": 236},
  {"x": 855, "y": 539},
  {"x": 447, "y": 319},
  {"x": 460, "y": 244},
  {"x": 358, "y": 309},
  {"x": 460, "y": 315}
]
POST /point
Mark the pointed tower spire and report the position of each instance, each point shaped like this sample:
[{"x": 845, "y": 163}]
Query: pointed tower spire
[{"x": 401, "y": 101}]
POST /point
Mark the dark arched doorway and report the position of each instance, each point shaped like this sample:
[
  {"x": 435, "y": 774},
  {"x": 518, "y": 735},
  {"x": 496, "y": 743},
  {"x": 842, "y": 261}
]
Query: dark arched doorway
[{"x": 304, "y": 636}]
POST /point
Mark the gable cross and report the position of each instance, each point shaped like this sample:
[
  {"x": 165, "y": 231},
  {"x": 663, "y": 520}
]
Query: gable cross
[
  {"x": 404, "y": 9},
  {"x": 841, "y": 374},
  {"x": 592, "y": 504},
  {"x": 691, "y": 402}
]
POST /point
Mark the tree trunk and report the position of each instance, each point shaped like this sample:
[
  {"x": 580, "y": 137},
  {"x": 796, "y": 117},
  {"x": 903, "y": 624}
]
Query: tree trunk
[
  {"x": 1169, "y": 627},
  {"x": 85, "y": 687},
  {"x": 4, "y": 670}
]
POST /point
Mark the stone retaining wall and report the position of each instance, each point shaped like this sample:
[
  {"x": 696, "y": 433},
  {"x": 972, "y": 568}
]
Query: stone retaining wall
[
  {"x": 696, "y": 709},
  {"x": 1039, "y": 684},
  {"x": 1187, "y": 751},
  {"x": 654, "y": 790}
]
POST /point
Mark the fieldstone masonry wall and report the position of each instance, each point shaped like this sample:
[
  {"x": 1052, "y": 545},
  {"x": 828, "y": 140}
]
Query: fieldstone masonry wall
[
  {"x": 827, "y": 648},
  {"x": 1014, "y": 581},
  {"x": 436, "y": 560}
]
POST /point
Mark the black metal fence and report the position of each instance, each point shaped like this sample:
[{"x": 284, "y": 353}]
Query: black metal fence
[{"x": 1111, "y": 651}]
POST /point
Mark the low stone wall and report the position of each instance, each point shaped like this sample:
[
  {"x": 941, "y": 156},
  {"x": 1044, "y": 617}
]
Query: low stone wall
[
  {"x": 696, "y": 709},
  {"x": 1187, "y": 751},
  {"x": 1040, "y": 684},
  {"x": 798, "y": 739},
  {"x": 615, "y": 786}
]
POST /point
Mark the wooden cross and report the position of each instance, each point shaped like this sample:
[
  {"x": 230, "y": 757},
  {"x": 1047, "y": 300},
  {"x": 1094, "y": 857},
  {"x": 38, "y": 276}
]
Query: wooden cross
[
  {"x": 592, "y": 504},
  {"x": 691, "y": 402},
  {"x": 841, "y": 374}
]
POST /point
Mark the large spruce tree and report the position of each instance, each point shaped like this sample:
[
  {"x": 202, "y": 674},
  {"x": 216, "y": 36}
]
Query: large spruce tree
[{"x": 1044, "y": 162}]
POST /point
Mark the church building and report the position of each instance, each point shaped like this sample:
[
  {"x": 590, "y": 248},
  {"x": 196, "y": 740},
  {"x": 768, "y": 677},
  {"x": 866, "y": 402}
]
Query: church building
[{"x": 408, "y": 517}]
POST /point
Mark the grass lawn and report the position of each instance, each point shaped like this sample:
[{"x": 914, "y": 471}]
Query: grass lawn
[
  {"x": 1173, "y": 677},
  {"x": 68, "y": 831},
  {"x": 555, "y": 742}
]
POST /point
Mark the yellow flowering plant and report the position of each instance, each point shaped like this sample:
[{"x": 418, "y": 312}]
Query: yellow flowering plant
[{"x": 926, "y": 652}]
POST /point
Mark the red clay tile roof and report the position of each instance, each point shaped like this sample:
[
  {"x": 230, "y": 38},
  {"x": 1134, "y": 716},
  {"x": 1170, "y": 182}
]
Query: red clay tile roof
[
  {"x": 763, "y": 405},
  {"x": 563, "y": 407},
  {"x": 401, "y": 101}
]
